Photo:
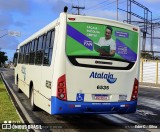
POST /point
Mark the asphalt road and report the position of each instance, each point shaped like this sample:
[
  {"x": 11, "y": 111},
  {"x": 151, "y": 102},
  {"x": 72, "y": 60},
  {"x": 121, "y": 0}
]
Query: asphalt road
[{"x": 147, "y": 115}]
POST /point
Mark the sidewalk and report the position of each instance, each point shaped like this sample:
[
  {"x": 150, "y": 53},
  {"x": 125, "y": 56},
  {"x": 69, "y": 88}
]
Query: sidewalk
[{"x": 149, "y": 85}]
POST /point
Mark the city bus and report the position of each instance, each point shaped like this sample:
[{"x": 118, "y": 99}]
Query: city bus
[{"x": 63, "y": 68}]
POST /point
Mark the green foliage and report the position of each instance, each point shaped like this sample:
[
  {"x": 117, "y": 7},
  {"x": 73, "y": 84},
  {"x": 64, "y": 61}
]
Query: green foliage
[
  {"x": 3, "y": 57},
  {"x": 146, "y": 55}
]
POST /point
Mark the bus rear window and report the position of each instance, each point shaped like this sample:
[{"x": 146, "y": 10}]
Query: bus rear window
[{"x": 88, "y": 39}]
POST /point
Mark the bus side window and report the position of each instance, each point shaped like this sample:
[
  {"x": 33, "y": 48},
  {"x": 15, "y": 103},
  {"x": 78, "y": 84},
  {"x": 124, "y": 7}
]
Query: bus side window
[
  {"x": 27, "y": 53},
  {"x": 22, "y": 58},
  {"x": 44, "y": 41},
  {"x": 20, "y": 55},
  {"x": 15, "y": 59},
  {"x": 51, "y": 46},
  {"x": 46, "y": 49},
  {"x": 39, "y": 52},
  {"x": 35, "y": 49},
  {"x": 52, "y": 39},
  {"x": 25, "y": 49},
  {"x": 32, "y": 53},
  {"x": 24, "y": 53},
  {"x": 35, "y": 45}
]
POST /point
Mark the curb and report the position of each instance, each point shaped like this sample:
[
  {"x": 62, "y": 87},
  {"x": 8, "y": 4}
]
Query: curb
[{"x": 145, "y": 86}]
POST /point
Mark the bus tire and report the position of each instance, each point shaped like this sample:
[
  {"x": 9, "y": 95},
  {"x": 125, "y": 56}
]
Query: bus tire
[
  {"x": 33, "y": 106},
  {"x": 19, "y": 90}
]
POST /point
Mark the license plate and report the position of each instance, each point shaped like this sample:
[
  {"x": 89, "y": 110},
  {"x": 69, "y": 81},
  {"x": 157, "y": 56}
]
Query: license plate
[{"x": 100, "y": 97}]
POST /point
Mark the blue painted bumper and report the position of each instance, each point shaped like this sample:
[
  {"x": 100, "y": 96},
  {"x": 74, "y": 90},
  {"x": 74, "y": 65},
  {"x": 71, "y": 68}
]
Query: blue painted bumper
[{"x": 71, "y": 107}]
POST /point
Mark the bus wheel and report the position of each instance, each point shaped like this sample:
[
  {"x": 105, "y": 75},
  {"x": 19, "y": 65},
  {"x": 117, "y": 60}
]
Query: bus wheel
[
  {"x": 33, "y": 106},
  {"x": 19, "y": 90}
]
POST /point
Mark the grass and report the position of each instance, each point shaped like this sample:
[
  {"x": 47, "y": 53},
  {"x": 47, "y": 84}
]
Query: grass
[{"x": 7, "y": 110}]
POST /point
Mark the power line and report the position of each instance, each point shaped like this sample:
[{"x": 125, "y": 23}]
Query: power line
[
  {"x": 4, "y": 35},
  {"x": 97, "y": 5},
  {"x": 156, "y": 19},
  {"x": 103, "y": 7}
]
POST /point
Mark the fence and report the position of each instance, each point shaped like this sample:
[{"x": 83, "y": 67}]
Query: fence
[{"x": 150, "y": 71}]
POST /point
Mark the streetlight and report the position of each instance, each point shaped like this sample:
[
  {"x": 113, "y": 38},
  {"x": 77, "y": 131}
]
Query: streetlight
[{"x": 12, "y": 33}]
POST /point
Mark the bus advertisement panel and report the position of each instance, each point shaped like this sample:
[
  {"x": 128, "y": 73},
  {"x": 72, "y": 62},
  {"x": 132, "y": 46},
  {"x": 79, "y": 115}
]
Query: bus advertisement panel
[{"x": 89, "y": 39}]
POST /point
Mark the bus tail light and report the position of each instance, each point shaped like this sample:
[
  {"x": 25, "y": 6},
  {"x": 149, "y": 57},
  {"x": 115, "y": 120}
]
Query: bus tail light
[
  {"x": 61, "y": 88},
  {"x": 72, "y": 19},
  {"x": 135, "y": 90}
]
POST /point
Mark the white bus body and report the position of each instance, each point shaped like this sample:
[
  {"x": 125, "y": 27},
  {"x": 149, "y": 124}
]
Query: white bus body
[{"x": 73, "y": 78}]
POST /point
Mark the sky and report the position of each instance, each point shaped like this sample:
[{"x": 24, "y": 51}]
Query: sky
[{"x": 29, "y": 16}]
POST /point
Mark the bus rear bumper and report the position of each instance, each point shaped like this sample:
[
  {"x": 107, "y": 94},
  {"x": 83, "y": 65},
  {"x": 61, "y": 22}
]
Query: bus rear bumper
[{"x": 73, "y": 107}]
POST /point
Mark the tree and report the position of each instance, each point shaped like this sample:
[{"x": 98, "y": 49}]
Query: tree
[
  {"x": 3, "y": 58},
  {"x": 146, "y": 55}
]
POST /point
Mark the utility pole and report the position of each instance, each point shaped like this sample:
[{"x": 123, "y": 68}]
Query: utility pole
[{"x": 78, "y": 8}]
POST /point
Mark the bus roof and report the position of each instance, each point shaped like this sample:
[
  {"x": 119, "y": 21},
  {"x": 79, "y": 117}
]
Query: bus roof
[
  {"x": 39, "y": 33},
  {"x": 78, "y": 18},
  {"x": 91, "y": 19}
]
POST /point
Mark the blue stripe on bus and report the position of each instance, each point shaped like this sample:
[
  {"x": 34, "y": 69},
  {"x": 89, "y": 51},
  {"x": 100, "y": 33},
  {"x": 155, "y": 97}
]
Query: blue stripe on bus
[{"x": 72, "y": 107}]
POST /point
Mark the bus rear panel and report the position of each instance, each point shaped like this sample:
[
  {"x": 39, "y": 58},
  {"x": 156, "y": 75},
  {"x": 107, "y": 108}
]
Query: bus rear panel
[{"x": 94, "y": 83}]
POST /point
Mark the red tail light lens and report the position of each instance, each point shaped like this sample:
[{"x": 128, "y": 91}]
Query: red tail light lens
[
  {"x": 61, "y": 88},
  {"x": 72, "y": 19},
  {"x": 135, "y": 90}
]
